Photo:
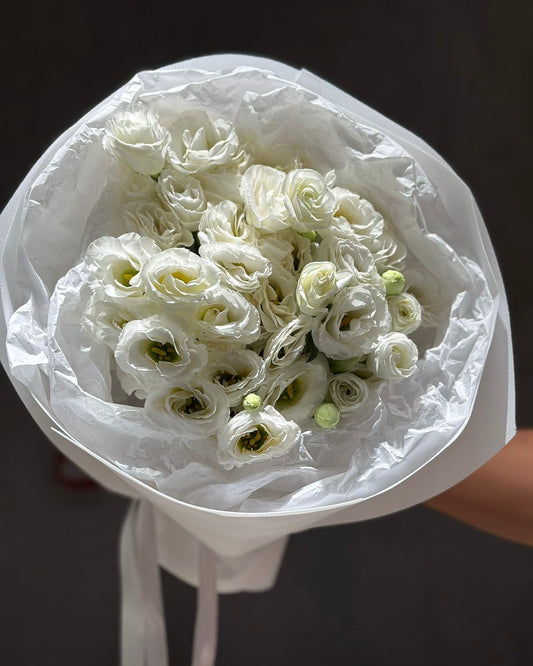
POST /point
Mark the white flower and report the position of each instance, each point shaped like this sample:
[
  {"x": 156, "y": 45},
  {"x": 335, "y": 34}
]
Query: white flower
[
  {"x": 317, "y": 284},
  {"x": 348, "y": 391},
  {"x": 358, "y": 317},
  {"x": 296, "y": 390},
  {"x": 262, "y": 435},
  {"x": 363, "y": 218},
  {"x": 136, "y": 138},
  {"x": 262, "y": 192},
  {"x": 242, "y": 266},
  {"x": 308, "y": 199},
  {"x": 348, "y": 255},
  {"x": 137, "y": 186},
  {"x": 222, "y": 183},
  {"x": 287, "y": 248},
  {"x": 394, "y": 357},
  {"x": 157, "y": 351},
  {"x": 388, "y": 250},
  {"x": 287, "y": 345},
  {"x": 114, "y": 265},
  {"x": 276, "y": 300},
  {"x": 183, "y": 195},
  {"x": 149, "y": 218},
  {"x": 179, "y": 276},
  {"x": 199, "y": 143},
  {"x": 225, "y": 315},
  {"x": 104, "y": 320},
  {"x": 238, "y": 371},
  {"x": 193, "y": 410},
  {"x": 406, "y": 313},
  {"x": 224, "y": 223}
]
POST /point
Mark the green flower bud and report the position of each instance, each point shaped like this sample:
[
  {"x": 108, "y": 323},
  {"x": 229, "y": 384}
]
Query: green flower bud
[
  {"x": 327, "y": 415},
  {"x": 251, "y": 402},
  {"x": 394, "y": 282}
]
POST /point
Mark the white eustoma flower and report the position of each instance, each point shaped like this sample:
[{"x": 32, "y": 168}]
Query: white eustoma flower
[
  {"x": 104, "y": 320},
  {"x": 183, "y": 195},
  {"x": 276, "y": 300},
  {"x": 224, "y": 223},
  {"x": 348, "y": 391},
  {"x": 394, "y": 357},
  {"x": 406, "y": 313},
  {"x": 150, "y": 218},
  {"x": 348, "y": 255},
  {"x": 199, "y": 143},
  {"x": 241, "y": 265},
  {"x": 136, "y": 138},
  {"x": 137, "y": 186},
  {"x": 262, "y": 192},
  {"x": 287, "y": 248},
  {"x": 237, "y": 371},
  {"x": 179, "y": 276},
  {"x": 309, "y": 201},
  {"x": 296, "y": 390},
  {"x": 157, "y": 351},
  {"x": 317, "y": 285},
  {"x": 223, "y": 183},
  {"x": 288, "y": 344},
  {"x": 388, "y": 250},
  {"x": 193, "y": 410},
  {"x": 363, "y": 218},
  {"x": 357, "y": 318},
  {"x": 224, "y": 314},
  {"x": 250, "y": 437},
  {"x": 114, "y": 265}
]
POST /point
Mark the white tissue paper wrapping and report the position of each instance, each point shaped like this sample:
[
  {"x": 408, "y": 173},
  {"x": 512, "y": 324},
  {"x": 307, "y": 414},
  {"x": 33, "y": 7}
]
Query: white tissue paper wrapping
[
  {"x": 68, "y": 202},
  {"x": 70, "y": 205}
]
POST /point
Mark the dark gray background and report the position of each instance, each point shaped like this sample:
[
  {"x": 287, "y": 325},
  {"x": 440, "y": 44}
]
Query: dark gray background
[{"x": 414, "y": 588}]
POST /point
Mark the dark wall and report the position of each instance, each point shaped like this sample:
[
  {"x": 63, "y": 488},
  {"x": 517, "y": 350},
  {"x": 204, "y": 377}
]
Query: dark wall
[{"x": 413, "y": 588}]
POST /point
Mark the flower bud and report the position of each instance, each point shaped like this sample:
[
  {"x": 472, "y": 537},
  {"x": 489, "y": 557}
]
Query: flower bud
[
  {"x": 394, "y": 282},
  {"x": 327, "y": 415},
  {"x": 251, "y": 402}
]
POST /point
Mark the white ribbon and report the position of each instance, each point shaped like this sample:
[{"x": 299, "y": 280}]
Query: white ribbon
[{"x": 143, "y": 634}]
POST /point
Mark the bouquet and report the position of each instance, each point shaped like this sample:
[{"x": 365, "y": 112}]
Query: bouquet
[{"x": 250, "y": 305}]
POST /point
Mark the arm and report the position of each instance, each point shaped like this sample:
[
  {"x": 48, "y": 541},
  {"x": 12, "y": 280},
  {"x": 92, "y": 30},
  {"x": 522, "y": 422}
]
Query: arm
[{"x": 498, "y": 498}]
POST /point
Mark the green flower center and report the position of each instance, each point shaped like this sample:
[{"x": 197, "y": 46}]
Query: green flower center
[
  {"x": 227, "y": 379},
  {"x": 192, "y": 405},
  {"x": 290, "y": 394},
  {"x": 254, "y": 440},
  {"x": 127, "y": 276},
  {"x": 163, "y": 351}
]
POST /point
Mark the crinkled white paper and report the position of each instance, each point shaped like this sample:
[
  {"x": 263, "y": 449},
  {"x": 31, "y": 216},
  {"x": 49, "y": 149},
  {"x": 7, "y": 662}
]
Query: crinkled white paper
[{"x": 72, "y": 202}]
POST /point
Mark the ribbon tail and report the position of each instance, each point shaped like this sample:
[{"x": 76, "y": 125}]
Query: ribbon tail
[{"x": 206, "y": 623}]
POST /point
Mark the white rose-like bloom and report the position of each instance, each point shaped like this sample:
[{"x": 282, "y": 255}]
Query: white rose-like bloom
[
  {"x": 276, "y": 300},
  {"x": 348, "y": 255},
  {"x": 179, "y": 276},
  {"x": 297, "y": 389},
  {"x": 309, "y": 201},
  {"x": 241, "y": 265},
  {"x": 224, "y": 223},
  {"x": 156, "y": 350},
  {"x": 104, "y": 320},
  {"x": 114, "y": 265},
  {"x": 194, "y": 410},
  {"x": 394, "y": 357},
  {"x": 136, "y": 138},
  {"x": 388, "y": 250},
  {"x": 288, "y": 344},
  {"x": 137, "y": 186},
  {"x": 237, "y": 371},
  {"x": 348, "y": 391},
  {"x": 183, "y": 195},
  {"x": 363, "y": 218},
  {"x": 358, "y": 317},
  {"x": 199, "y": 143},
  {"x": 262, "y": 192},
  {"x": 316, "y": 287},
  {"x": 406, "y": 313},
  {"x": 249, "y": 437},
  {"x": 149, "y": 218},
  {"x": 225, "y": 315},
  {"x": 286, "y": 248}
]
